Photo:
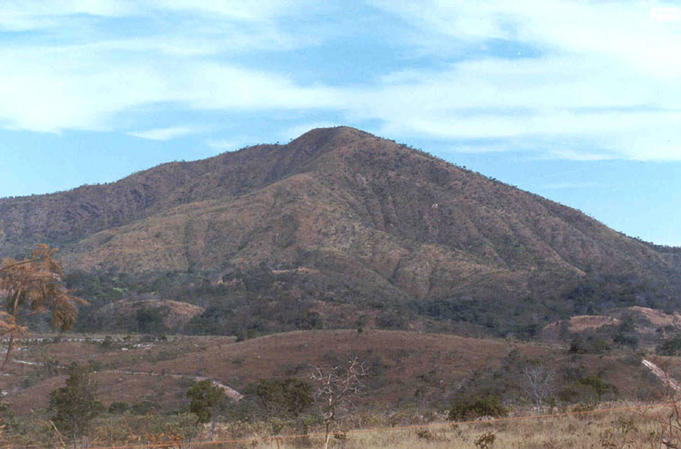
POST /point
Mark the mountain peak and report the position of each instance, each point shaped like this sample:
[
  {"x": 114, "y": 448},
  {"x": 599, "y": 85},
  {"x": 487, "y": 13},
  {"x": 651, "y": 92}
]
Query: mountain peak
[
  {"x": 341, "y": 217},
  {"x": 321, "y": 137}
]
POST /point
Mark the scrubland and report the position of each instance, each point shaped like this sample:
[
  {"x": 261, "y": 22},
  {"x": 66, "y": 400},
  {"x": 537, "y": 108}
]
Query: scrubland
[{"x": 606, "y": 400}]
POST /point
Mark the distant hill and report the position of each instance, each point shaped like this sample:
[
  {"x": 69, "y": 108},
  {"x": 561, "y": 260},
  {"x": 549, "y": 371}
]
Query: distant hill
[
  {"x": 405, "y": 368},
  {"x": 341, "y": 228}
]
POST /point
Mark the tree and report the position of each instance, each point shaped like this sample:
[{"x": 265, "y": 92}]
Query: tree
[
  {"x": 7, "y": 417},
  {"x": 598, "y": 385},
  {"x": 33, "y": 286},
  {"x": 335, "y": 388},
  {"x": 467, "y": 407},
  {"x": 285, "y": 396},
  {"x": 539, "y": 384},
  {"x": 206, "y": 400},
  {"x": 74, "y": 405}
]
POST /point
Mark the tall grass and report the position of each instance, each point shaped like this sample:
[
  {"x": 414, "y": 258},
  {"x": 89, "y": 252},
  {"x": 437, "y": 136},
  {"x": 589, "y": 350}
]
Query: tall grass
[{"x": 643, "y": 428}]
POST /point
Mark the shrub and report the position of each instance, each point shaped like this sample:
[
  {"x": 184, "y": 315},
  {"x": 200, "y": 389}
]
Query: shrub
[
  {"x": 118, "y": 408},
  {"x": 107, "y": 343},
  {"x": 284, "y": 396},
  {"x": 425, "y": 434},
  {"x": 476, "y": 407},
  {"x": 74, "y": 405},
  {"x": 143, "y": 407},
  {"x": 591, "y": 344},
  {"x": 205, "y": 400},
  {"x": 485, "y": 441},
  {"x": 598, "y": 385},
  {"x": 670, "y": 346}
]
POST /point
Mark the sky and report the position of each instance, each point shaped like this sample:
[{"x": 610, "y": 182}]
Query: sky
[{"x": 578, "y": 101}]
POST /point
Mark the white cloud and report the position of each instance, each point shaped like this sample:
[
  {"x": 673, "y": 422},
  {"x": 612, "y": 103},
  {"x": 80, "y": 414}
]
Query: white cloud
[
  {"x": 296, "y": 131},
  {"x": 62, "y": 84},
  {"x": 606, "y": 82},
  {"x": 665, "y": 14},
  {"x": 222, "y": 145},
  {"x": 36, "y": 14},
  {"x": 163, "y": 133},
  {"x": 606, "y": 76},
  {"x": 615, "y": 29},
  {"x": 252, "y": 11},
  {"x": 574, "y": 155},
  {"x": 50, "y": 90}
]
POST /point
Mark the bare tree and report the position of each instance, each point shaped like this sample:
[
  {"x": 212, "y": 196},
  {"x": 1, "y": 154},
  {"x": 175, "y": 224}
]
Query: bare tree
[
  {"x": 539, "y": 384},
  {"x": 34, "y": 285},
  {"x": 336, "y": 386}
]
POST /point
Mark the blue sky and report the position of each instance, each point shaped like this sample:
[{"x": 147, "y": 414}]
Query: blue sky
[{"x": 578, "y": 101}]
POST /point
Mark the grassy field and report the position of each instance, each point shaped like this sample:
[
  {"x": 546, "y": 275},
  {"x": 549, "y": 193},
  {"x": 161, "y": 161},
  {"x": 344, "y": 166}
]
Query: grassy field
[
  {"x": 414, "y": 378},
  {"x": 621, "y": 426},
  {"x": 402, "y": 363}
]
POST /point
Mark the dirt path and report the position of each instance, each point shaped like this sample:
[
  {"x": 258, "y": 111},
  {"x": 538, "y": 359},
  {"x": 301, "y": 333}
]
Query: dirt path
[
  {"x": 661, "y": 375},
  {"x": 229, "y": 391}
]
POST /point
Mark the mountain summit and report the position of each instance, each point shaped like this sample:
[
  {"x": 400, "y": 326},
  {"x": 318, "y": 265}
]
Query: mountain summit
[{"x": 346, "y": 221}]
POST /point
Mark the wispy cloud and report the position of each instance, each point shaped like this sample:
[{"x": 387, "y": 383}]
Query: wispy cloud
[
  {"x": 163, "y": 133},
  {"x": 605, "y": 77},
  {"x": 296, "y": 131},
  {"x": 222, "y": 145},
  {"x": 574, "y": 155},
  {"x": 612, "y": 57}
]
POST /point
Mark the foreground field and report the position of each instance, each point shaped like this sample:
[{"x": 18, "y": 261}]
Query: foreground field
[
  {"x": 412, "y": 381},
  {"x": 643, "y": 429},
  {"x": 403, "y": 365},
  {"x": 621, "y": 426}
]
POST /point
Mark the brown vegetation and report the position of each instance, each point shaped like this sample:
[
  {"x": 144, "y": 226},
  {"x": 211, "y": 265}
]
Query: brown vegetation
[
  {"x": 339, "y": 216},
  {"x": 32, "y": 286},
  {"x": 402, "y": 366}
]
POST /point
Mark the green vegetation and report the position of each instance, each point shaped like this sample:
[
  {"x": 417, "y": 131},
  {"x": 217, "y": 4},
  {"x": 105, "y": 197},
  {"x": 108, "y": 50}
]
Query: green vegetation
[
  {"x": 284, "y": 397},
  {"x": 74, "y": 405},
  {"x": 206, "y": 401},
  {"x": 468, "y": 408},
  {"x": 670, "y": 345}
]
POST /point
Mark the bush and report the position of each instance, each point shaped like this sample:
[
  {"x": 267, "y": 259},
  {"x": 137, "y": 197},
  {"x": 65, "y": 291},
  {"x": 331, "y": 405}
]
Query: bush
[
  {"x": 485, "y": 441},
  {"x": 598, "y": 385},
  {"x": 206, "y": 400},
  {"x": 74, "y": 405},
  {"x": 143, "y": 407},
  {"x": 476, "y": 407},
  {"x": 591, "y": 344},
  {"x": 118, "y": 408},
  {"x": 670, "y": 346},
  {"x": 282, "y": 397}
]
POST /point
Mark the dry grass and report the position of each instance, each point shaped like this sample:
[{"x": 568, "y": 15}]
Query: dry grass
[
  {"x": 634, "y": 427},
  {"x": 641, "y": 428},
  {"x": 408, "y": 361}
]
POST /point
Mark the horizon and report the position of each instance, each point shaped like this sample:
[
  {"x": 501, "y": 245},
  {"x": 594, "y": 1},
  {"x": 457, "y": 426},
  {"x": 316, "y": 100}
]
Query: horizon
[{"x": 585, "y": 115}]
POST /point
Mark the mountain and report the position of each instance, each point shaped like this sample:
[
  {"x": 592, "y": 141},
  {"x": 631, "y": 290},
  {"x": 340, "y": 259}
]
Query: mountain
[{"x": 338, "y": 228}]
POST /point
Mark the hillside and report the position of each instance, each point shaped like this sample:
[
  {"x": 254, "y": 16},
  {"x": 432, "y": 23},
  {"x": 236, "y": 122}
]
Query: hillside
[
  {"x": 340, "y": 228},
  {"x": 405, "y": 368}
]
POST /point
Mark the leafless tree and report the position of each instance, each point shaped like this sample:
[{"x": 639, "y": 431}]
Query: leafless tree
[
  {"x": 539, "y": 384},
  {"x": 335, "y": 388}
]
